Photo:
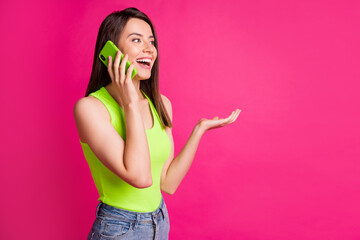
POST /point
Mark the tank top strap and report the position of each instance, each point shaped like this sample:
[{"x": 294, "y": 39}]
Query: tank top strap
[
  {"x": 117, "y": 114},
  {"x": 103, "y": 95}
]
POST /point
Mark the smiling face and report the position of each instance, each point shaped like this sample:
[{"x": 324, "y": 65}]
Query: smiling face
[{"x": 137, "y": 41}]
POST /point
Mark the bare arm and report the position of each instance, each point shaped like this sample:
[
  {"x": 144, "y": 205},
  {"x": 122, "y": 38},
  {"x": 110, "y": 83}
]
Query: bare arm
[
  {"x": 130, "y": 161},
  {"x": 175, "y": 169},
  {"x": 136, "y": 153},
  {"x": 178, "y": 167}
]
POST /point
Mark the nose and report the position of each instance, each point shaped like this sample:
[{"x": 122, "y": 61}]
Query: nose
[{"x": 149, "y": 47}]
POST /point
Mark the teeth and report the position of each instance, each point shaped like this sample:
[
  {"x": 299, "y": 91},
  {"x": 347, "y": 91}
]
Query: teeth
[{"x": 144, "y": 60}]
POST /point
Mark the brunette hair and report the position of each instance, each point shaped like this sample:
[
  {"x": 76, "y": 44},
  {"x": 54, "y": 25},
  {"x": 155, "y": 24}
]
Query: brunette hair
[{"x": 111, "y": 29}]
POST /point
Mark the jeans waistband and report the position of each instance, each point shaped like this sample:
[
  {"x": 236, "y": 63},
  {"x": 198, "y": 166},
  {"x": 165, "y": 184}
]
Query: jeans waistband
[{"x": 104, "y": 210}]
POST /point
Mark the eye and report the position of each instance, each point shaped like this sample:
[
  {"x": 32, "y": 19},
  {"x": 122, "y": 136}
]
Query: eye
[{"x": 153, "y": 42}]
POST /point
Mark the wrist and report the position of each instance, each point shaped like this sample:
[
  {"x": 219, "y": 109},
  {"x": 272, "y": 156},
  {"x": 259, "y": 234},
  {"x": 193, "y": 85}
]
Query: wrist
[
  {"x": 131, "y": 107},
  {"x": 199, "y": 128}
]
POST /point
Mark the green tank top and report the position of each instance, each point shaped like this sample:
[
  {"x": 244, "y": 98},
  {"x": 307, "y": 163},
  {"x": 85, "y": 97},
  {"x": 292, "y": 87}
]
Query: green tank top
[{"x": 112, "y": 189}]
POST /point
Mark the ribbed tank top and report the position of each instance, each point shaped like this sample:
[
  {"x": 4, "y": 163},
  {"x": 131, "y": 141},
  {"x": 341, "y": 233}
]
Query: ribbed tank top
[{"x": 112, "y": 189}]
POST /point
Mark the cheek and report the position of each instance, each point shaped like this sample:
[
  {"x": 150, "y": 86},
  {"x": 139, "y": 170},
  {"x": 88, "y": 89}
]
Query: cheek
[
  {"x": 155, "y": 53},
  {"x": 132, "y": 52}
]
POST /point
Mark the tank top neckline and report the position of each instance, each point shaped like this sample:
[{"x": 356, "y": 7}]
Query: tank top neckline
[{"x": 150, "y": 103}]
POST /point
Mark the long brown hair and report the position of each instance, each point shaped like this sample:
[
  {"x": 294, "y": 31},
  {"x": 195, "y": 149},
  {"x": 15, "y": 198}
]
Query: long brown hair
[{"x": 111, "y": 29}]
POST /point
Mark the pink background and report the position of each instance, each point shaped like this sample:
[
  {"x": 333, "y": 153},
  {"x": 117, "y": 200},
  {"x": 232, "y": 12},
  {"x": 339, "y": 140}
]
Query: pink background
[{"x": 288, "y": 168}]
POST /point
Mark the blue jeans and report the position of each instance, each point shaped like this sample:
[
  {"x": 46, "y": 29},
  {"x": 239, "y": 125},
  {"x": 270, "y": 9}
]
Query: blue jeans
[{"x": 116, "y": 223}]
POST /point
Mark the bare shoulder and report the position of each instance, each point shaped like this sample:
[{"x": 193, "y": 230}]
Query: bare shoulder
[
  {"x": 88, "y": 106},
  {"x": 88, "y": 111},
  {"x": 167, "y": 104}
]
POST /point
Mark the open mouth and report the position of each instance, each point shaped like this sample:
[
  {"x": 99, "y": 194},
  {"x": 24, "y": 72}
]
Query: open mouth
[{"x": 144, "y": 62}]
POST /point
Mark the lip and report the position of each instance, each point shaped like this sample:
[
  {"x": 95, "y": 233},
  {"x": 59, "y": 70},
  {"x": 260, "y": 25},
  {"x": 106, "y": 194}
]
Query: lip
[
  {"x": 145, "y": 58},
  {"x": 144, "y": 66}
]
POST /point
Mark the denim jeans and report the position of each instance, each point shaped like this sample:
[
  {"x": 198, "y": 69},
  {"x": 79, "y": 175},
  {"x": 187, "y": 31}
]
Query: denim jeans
[{"x": 116, "y": 223}]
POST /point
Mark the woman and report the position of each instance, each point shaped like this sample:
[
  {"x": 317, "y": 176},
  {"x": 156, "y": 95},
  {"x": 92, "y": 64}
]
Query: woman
[{"x": 124, "y": 126}]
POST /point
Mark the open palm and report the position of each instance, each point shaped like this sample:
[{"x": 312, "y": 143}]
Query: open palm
[{"x": 208, "y": 124}]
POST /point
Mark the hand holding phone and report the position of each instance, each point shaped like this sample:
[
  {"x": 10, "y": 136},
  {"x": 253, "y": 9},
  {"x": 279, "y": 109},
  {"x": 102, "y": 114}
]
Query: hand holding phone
[
  {"x": 110, "y": 49},
  {"x": 125, "y": 92}
]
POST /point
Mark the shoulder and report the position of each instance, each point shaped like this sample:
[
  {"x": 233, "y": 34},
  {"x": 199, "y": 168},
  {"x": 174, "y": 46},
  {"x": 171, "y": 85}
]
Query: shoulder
[
  {"x": 167, "y": 103},
  {"x": 166, "y": 100},
  {"x": 89, "y": 107},
  {"x": 168, "y": 108},
  {"x": 85, "y": 104},
  {"x": 89, "y": 113}
]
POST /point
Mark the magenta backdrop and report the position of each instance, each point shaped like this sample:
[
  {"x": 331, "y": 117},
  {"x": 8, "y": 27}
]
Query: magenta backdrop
[{"x": 288, "y": 168}]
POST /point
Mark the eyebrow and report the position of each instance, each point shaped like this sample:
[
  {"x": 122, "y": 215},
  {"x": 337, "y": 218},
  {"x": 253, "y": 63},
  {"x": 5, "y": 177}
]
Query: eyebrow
[{"x": 140, "y": 35}]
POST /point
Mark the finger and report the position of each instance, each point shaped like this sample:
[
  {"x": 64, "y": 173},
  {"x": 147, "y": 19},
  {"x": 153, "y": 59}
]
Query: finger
[
  {"x": 236, "y": 115},
  {"x": 129, "y": 71},
  {"x": 116, "y": 66},
  {"x": 232, "y": 117},
  {"x": 122, "y": 68},
  {"x": 229, "y": 117},
  {"x": 225, "y": 121},
  {"x": 110, "y": 71}
]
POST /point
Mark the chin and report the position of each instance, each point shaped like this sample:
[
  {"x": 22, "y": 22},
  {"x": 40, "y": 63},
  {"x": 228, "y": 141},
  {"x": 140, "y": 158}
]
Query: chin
[{"x": 141, "y": 77}]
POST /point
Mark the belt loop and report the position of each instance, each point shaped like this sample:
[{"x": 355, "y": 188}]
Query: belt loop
[
  {"x": 97, "y": 208},
  {"x": 137, "y": 220}
]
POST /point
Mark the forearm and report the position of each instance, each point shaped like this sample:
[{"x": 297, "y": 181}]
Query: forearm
[
  {"x": 136, "y": 152},
  {"x": 181, "y": 164}
]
